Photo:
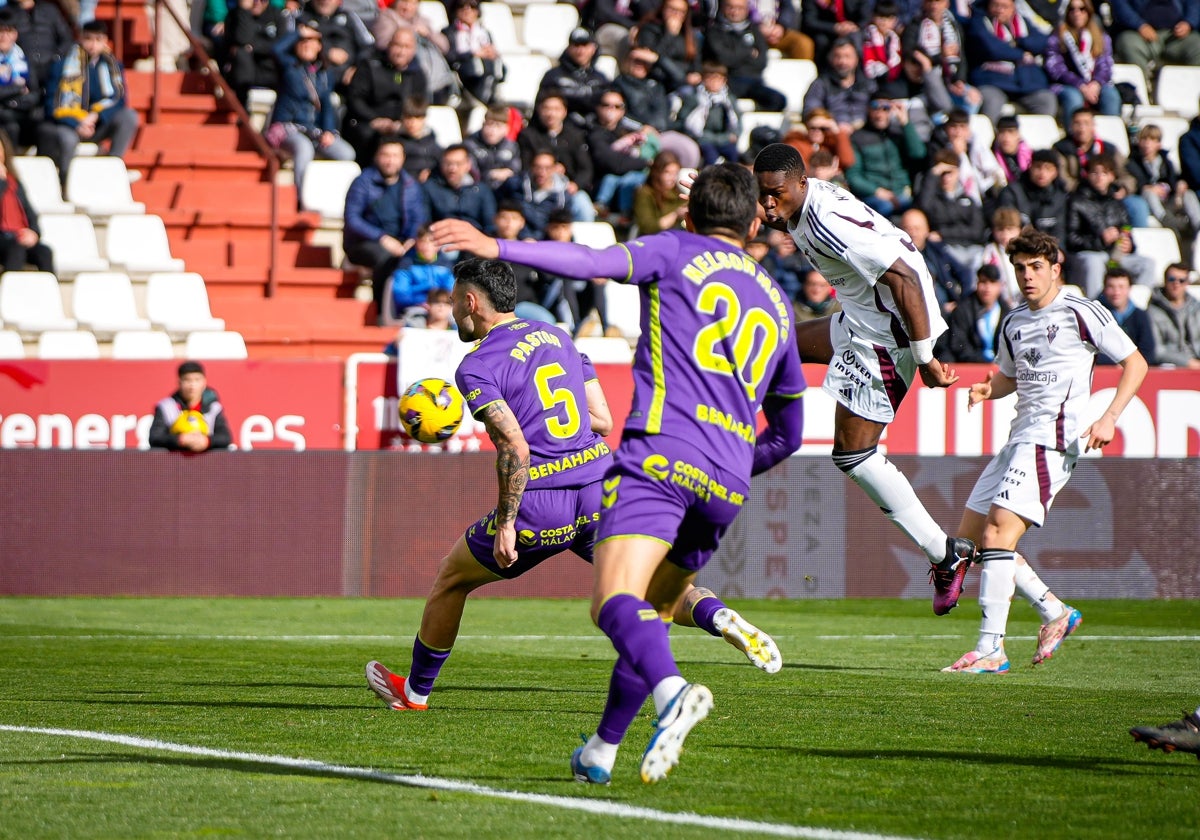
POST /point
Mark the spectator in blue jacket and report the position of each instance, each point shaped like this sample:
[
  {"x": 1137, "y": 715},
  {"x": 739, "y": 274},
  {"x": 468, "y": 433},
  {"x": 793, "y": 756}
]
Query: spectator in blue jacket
[
  {"x": 412, "y": 283},
  {"x": 385, "y": 208},
  {"x": 1003, "y": 51},
  {"x": 453, "y": 193},
  {"x": 1156, "y": 31},
  {"x": 1134, "y": 321}
]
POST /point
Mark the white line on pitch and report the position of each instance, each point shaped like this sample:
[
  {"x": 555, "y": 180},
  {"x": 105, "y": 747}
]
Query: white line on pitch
[
  {"x": 593, "y": 806},
  {"x": 328, "y": 637}
]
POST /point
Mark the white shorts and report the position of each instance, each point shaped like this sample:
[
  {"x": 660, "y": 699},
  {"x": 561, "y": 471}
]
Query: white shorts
[
  {"x": 869, "y": 379},
  {"x": 1024, "y": 478}
]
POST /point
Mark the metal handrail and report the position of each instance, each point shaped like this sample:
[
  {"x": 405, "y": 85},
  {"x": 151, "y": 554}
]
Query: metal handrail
[{"x": 221, "y": 90}]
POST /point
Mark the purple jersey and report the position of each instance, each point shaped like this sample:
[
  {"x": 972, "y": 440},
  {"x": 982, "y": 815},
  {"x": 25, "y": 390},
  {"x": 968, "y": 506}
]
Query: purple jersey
[
  {"x": 535, "y": 369},
  {"x": 716, "y": 340}
]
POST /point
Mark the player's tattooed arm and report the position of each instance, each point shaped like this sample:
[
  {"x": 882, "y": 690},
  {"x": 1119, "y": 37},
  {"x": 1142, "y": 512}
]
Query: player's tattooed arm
[{"x": 512, "y": 474}]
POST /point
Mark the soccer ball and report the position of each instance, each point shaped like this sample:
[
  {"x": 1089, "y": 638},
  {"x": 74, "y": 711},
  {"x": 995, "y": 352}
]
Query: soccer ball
[
  {"x": 431, "y": 410},
  {"x": 190, "y": 421}
]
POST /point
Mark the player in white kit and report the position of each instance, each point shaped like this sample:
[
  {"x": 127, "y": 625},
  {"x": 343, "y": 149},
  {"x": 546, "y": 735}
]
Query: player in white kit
[
  {"x": 1047, "y": 352},
  {"x": 874, "y": 347}
]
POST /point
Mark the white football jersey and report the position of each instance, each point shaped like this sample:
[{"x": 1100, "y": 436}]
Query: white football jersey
[
  {"x": 1051, "y": 353},
  {"x": 853, "y": 246}
]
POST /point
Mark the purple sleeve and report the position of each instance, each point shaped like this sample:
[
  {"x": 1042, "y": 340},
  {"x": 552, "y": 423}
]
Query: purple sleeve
[
  {"x": 569, "y": 259},
  {"x": 589, "y": 370},
  {"x": 783, "y": 435}
]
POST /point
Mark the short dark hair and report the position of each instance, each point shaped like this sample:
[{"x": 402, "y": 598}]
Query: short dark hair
[
  {"x": 1036, "y": 243},
  {"x": 560, "y": 216},
  {"x": 947, "y": 156},
  {"x": 190, "y": 367},
  {"x": 1118, "y": 271},
  {"x": 1101, "y": 160},
  {"x": 510, "y": 205},
  {"x": 414, "y": 106},
  {"x": 1046, "y": 156},
  {"x": 96, "y": 27},
  {"x": 886, "y": 8},
  {"x": 724, "y": 196},
  {"x": 780, "y": 157},
  {"x": 495, "y": 278}
]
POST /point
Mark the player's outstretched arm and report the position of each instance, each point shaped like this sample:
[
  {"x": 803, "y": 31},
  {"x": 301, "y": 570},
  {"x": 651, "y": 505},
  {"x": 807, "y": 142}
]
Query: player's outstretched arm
[
  {"x": 601, "y": 417},
  {"x": 459, "y": 235},
  {"x": 1101, "y": 432},
  {"x": 906, "y": 290},
  {"x": 784, "y": 432},
  {"x": 512, "y": 474}
]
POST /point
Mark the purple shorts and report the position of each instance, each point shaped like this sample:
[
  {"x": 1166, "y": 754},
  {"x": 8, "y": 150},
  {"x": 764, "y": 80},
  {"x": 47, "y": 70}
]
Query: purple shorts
[
  {"x": 667, "y": 489},
  {"x": 549, "y": 522}
]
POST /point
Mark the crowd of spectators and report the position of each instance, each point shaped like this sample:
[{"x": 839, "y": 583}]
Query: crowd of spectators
[{"x": 889, "y": 117}]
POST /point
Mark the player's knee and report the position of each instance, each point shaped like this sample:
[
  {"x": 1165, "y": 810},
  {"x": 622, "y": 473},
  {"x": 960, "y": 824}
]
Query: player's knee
[{"x": 848, "y": 461}]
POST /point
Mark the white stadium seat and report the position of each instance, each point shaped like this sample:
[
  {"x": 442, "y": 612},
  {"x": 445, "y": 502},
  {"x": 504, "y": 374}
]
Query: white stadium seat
[
  {"x": 497, "y": 19},
  {"x": 139, "y": 245},
  {"x": 215, "y": 345},
  {"x": 1133, "y": 75},
  {"x": 68, "y": 344},
  {"x": 523, "y": 77},
  {"x": 434, "y": 11},
  {"x": 39, "y": 176},
  {"x": 624, "y": 308},
  {"x": 791, "y": 77},
  {"x": 1172, "y": 129},
  {"x": 103, "y": 302},
  {"x": 605, "y": 351},
  {"x": 73, "y": 241},
  {"x": 178, "y": 303},
  {"x": 326, "y": 183},
  {"x": 442, "y": 120},
  {"x": 606, "y": 65},
  {"x": 100, "y": 187},
  {"x": 1178, "y": 90},
  {"x": 593, "y": 234},
  {"x": 546, "y": 27},
  {"x": 1113, "y": 130},
  {"x": 11, "y": 346},
  {"x": 1040, "y": 131},
  {"x": 753, "y": 119},
  {"x": 142, "y": 344},
  {"x": 1160, "y": 245},
  {"x": 31, "y": 303},
  {"x": 1140, "y": 295},
  {"x": 983, "y": 133}
]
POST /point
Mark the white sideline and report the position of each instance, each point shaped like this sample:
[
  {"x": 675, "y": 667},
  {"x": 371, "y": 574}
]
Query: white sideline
[
  {"x": 595, "y": 637},
  {"x": 593, "y": 806}
]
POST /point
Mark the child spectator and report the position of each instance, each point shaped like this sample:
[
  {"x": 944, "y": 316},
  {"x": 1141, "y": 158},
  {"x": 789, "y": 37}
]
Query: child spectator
[
  {"x": 192, "y": 419},
  {"x": 1098, "y": 229},
  {"x": 881, "y": 51},
  {"x": 472, "y": 53},
  {"x": 1159, "y": 182},
  {"x": 710, "y": 114},
  {"x": 422, "y": 154},
  {"x": 975, "y": 323},
  {"x": 411, "y": 284},
  {"x": 1006, "y": 226},
  {"x": 1012, "y": 153},
  {"x": 824, "y": 167},
  {"x": 435, "y": 314},
  {"x": 20, "y": 93},
  {"x": 494, "y": 156},
  {"x": 531, "y": 286}
]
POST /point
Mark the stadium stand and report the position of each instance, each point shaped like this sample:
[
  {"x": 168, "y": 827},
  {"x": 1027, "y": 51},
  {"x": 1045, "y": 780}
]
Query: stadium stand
[
  {"x": 1160, "y": 245},
  {"x": 435, "y": 12},
  {"x": 43, "y": 188},
  {"x": 68, "y": 344},
  {"x": 215, "y": 345},
  {"x": 139, "y": 246},
  {"x": 142, "y": 344},
  {"x": 982, "y": 131},
  {"x": 522, "y": 76},
  {"x": 1132, "y": 74},
  {"x": 753, "y": 119},
  {"x": 1140, "y": 295},
  {"x": 606, "y": 65},
  {"x": 546, "y": 27},
  {"x": 442, "y": 120},
  {"x": 73, "y": 240},
  {"x": 325, "y": 186},
  {"x": 497, "y": 18},
  {"x": 31, "y": 303},
  {"x": 178, "y": 303},
  {"x": 99, "y": 186},
  {"x": 1172, "y": 129},
  {"x": 1178, "y": 90},
  {"x": 1113, "y": 130},
  {"x": 11, "y": 346},
  {"x": 1040, "y": 131},
  {"x": 104, "y": 303}
]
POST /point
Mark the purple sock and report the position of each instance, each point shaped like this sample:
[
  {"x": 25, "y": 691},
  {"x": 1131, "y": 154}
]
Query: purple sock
[
  {"x": 626, "y": 695},
  {"x": 426, "y": 663},
  {"x": 703, "y": 612},
  {"x": 639, "y": 636}
]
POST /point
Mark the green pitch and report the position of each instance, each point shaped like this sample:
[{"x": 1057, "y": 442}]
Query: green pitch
[{"x": 860, "y": 732}]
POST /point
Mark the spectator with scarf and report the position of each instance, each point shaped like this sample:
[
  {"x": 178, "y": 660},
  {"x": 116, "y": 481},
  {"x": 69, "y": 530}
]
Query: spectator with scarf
[
  {"x": 1004, "y": 52},
  {"x": 1079, "y": 62},
  {"x": 711, "y": 116},
  {"x": 20, "y": 105},
  {"x": 937, "y": 36},
  {"x": 881, "y": 61},
  {"x": 1012, "y": 153},
  {"x": 829, "y": 21},
  {"x": 87, "y": 101}
]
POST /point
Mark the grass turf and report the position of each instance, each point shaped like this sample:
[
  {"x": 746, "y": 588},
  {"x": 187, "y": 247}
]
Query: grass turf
[{"x": 859, "y": 732}]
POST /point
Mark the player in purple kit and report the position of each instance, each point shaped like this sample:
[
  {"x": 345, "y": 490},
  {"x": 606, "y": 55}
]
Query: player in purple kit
[
  {"x": 545, "y": 411},
  {"x": 874, "y": 347},
  {"x": 690, "y": 444}
]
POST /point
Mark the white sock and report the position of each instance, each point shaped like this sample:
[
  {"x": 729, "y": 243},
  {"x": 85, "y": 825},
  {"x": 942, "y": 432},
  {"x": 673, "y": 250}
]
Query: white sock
[
  {"x": 413, "y": 697},
  {"x": 889, "y": 489},
  {"x": 666, "y": 690},
  {"x": 997, "y": 582},
  {"x": 599, "y": 753},
  {"x": 1038, "y": 594}
]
